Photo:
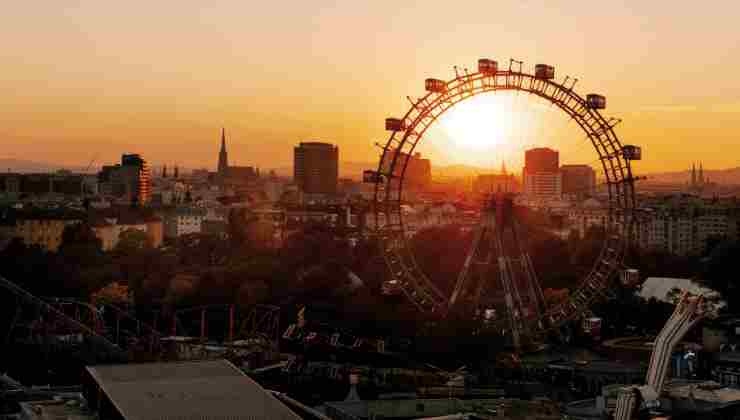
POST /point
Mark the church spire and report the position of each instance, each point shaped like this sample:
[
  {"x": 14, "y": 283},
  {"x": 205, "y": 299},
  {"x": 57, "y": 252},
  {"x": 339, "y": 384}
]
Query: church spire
[
  {"x": 701, "y": 173},
  {"x": 693, "y": 174},
  {"x": 223, "y": 156}
]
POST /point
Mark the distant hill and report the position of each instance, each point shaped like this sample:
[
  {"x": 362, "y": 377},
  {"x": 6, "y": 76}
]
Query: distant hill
[
  {"x": 721, "y": 176},
  {"x": 25, "y": 166},
  {"x": 352, "y": 170},
  {"x": 459, "y": 171}
]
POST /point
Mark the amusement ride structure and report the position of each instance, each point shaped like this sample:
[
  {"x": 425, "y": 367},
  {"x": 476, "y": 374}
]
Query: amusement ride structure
[
  {"x": 496, "y": 256},
  {"x": 689, "y": 310}
]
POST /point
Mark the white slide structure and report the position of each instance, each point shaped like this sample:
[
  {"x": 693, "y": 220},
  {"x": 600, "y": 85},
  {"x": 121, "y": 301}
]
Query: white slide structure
[{"x": 688, "y": 311}]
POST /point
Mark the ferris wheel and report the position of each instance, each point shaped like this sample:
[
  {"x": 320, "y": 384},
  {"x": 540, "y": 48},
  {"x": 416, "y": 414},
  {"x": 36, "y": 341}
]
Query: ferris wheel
[{"x": 526, "y": 311}]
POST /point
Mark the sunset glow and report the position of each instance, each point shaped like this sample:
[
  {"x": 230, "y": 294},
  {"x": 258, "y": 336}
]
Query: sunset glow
[
  {"x": 481, "y": 123},
  {"x": 91, "y": 77}
]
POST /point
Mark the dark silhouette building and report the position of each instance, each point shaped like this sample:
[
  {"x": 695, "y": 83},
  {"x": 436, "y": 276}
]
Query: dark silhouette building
[
  {"x": 541, "y": 159},
  {"x": 316, "y": 167},
  {"x": 541, "y": 174},
  {"x": 223, "y": 157},
  {"x": 61, "y": 183},
  {"x": 234, "y": 177},
  {"x": 579, "y": 180},
  {"x": 129, "y": 181}
]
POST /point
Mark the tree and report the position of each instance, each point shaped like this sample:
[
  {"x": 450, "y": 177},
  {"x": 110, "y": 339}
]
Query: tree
[
  {"x": 181, "y": 286},
  {"x": 80, "y": 266},
  {"x": 114, "y": 293},
  {"x": 719, "y": 272},
  {"x": 440, "y": 252},
  {"x": 80, "y": 235},
  {"x": 238, "y": 227},
  {"x": 202, "y": 250},
  {"x": 555, "y": 296},
  {"x": 251, "y": 292},
  {"x": 26, "y": 266},
  {"x": 131, "y": 241}
]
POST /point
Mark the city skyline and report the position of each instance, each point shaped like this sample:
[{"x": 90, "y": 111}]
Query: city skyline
[
  {"x": 385, "y": 209},
  {"x": 104, "y": 87}
]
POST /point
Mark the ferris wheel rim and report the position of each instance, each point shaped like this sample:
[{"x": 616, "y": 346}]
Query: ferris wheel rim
[{"x": 615, "y": 168}]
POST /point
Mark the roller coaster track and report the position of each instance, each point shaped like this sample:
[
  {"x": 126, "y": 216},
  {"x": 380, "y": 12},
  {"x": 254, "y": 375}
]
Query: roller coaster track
[
  {"x": 687, "y": 313},
  {"x": 142, "y": 329},
  {"x": 49, "y": 308}
]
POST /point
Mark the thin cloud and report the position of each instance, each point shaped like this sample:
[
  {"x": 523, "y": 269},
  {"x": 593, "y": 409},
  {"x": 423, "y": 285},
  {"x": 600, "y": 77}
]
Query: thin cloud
[
  {"x": 728, "y": 108},
  {"x": 668, "y": 108},
  {"x": 724, "y": 108}
]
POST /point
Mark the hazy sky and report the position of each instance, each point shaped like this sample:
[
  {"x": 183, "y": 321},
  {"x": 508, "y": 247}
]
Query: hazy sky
[{"x": 82, "y": 78}]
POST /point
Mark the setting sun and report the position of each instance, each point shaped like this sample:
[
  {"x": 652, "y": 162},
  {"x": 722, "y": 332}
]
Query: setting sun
[
  {"x": 480, "y": 123},
  {"x": 487, "y": 129}
]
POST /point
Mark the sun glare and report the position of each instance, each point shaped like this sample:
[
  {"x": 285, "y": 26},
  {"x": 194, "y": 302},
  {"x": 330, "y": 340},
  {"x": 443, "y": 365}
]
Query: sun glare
[
  {"x": 491, "y": 128},
  {"x": 481, "y": 123},
  {"x": 488, "y": 129}
]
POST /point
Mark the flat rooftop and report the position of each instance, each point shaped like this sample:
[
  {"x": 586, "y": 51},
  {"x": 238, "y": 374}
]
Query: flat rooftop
[
  {"x": 707, "y": 391},
  {"x": 189, "y": 390}
]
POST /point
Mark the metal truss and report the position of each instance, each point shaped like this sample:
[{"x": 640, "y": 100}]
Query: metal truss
[{"x": 407, "y": 132}]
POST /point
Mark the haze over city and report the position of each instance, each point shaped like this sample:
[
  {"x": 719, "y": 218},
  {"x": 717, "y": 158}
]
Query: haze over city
[
  {"x": 88, "y": 77},
  {"x": 509, "y": 210}
]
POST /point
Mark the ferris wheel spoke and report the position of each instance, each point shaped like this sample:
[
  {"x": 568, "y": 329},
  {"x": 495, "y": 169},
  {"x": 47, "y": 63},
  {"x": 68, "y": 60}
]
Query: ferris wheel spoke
[{"x": 523, "y": 296}]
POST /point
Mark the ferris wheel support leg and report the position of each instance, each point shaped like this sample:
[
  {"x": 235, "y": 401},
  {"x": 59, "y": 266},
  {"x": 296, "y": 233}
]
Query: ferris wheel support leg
[{"x": 509, "y": 300}]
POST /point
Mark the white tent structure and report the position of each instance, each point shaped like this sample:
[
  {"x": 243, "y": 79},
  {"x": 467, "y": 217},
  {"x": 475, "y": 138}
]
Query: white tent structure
[{"x": 664, "y": 289}]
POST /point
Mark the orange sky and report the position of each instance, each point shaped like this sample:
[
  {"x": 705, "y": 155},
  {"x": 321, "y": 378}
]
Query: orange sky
[{"x": 82, "y": 77}]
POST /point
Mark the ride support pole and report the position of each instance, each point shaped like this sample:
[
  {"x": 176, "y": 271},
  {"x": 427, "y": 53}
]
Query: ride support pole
[
  {"x": 203, "y": 324},
  {"x": 231, "y": 323}
]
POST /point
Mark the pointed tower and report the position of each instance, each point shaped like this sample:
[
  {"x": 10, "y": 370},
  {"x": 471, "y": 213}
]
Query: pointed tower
[
  {"x": 693, "y": 175},
  {"x": 223, "y": 157},
  {"x": 701, "y": 173},
  {"x": 177, "y": 172},
  {"x": 164, "y": 172},
  {"x": 503, "y": 168}
]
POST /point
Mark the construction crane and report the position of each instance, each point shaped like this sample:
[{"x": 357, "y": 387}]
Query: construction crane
[
  {"x": 87, "y": 169},
  {"x": 89, "y": 165},
  {"x": 689, "y": 310}
]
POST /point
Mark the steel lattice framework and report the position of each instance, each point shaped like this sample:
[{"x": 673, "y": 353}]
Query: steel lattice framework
[{"x": 407, "y": 132}]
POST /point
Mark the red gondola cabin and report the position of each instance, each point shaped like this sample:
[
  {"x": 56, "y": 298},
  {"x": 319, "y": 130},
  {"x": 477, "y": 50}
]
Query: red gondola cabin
[
  {"x": 594, "y": 101},
  {"x": 631, "y": 152},
  {"x": 487, "y": 66},
  {"x": 544, "y": 71},
  {"x": 435, "y": 85},
  {"x": 394, "y": 124}
]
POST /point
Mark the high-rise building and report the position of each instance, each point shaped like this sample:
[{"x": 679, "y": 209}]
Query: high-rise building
[
  {"x": 418, "y": 172},
  {"x": 129, "y": 181},
  {"x": 316, "y": 167},
  {"x": 543, "y": 185},
  {"x": 541, "y": 174},
  {"x": 578, "y": 180},
  {"x": 541, "y": 159}
]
